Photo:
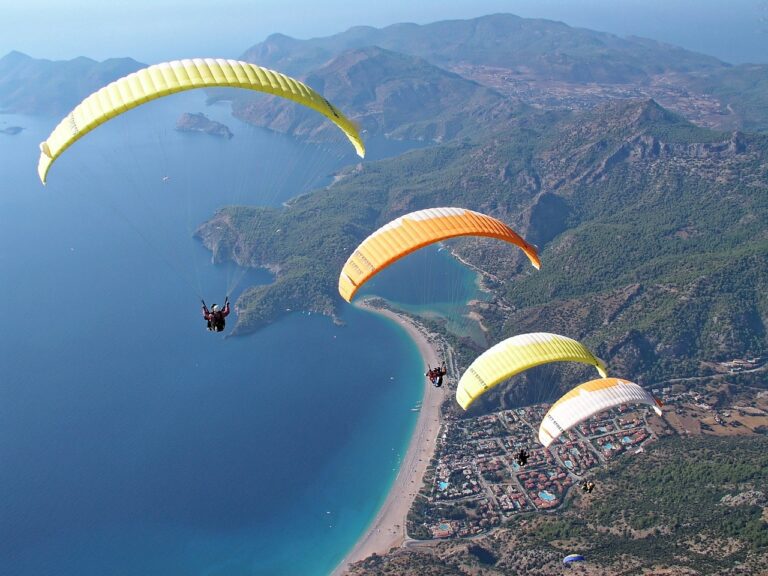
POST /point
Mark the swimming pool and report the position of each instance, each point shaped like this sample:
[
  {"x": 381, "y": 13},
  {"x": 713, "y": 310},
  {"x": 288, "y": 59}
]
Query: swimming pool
[{"x": 546, "y": 496}]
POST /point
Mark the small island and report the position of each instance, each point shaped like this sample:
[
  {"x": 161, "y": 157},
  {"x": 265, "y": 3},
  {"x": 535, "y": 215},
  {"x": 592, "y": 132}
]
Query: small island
[
  {"x": 11, "y": 130},
  {"x": 189, "y": 122}
]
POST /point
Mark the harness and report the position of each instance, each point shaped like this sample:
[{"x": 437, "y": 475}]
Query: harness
[{"x": 217, "y": 321}]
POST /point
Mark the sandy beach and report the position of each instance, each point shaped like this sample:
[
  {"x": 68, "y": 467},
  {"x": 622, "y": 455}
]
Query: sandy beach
[{"x": 388, "y": 527}]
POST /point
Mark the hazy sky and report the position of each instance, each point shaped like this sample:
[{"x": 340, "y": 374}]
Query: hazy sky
[{"x": 155, "y": 30}]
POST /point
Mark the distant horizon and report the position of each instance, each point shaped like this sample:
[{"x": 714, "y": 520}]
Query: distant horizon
[{"x": 48, "y": 30}]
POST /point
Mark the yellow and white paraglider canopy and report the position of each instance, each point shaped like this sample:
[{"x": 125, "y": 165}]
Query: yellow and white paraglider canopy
[{"x": 589, "y": 399}]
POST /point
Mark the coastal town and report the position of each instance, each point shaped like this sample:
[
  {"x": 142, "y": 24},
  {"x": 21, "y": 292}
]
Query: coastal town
[
  {"x": 475, "y": 484},
  {"x": 702, "y": 109}
]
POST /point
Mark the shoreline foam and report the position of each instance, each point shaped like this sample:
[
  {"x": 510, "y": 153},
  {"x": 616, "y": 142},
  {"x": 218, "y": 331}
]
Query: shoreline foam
[{"x": 387, "y": 530}]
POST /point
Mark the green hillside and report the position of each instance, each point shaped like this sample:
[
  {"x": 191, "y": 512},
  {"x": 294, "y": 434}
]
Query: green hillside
[{"x": 652, "y": 234}]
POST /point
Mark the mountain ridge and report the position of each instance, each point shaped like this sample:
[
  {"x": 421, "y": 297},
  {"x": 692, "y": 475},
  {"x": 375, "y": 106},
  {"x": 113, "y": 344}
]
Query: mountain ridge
[
  {"x": 53, "y": 87},
  {"x": 513, "y": 39},
  {"x": 549, "y": 64}
]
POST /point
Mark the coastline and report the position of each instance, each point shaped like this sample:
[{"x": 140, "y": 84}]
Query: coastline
[{"x": 387, "y": 529}]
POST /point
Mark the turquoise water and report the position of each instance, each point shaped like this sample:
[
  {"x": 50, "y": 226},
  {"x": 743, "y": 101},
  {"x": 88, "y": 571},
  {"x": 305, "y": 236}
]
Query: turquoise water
[
  {"x": 568, "y": 463},
  {"x": 134, "y": 442},
  {"x": 546, "y": 496},
  {"x": 442, "y": 485},
  {"x": 433, "y": 284},
  {"x": 626, "y": 439},
  {"x": 607, "y": 447}
]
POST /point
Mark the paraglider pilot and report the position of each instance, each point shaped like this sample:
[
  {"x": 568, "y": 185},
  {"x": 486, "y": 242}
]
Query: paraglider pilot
[
  {"x": 435, "y": 375},
  {"x": 215, "y": 316},
  {"x": 522, "y": 457}
]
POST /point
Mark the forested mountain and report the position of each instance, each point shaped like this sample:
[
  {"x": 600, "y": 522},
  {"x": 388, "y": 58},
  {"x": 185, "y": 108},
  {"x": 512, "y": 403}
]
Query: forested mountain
[
  {"x": 652, "y": 228},
  {"x": 387, "y": 93},
  {"x": 652, "y": 234}
]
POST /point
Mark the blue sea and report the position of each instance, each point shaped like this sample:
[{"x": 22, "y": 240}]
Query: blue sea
[{"x": 132, "y": 441}]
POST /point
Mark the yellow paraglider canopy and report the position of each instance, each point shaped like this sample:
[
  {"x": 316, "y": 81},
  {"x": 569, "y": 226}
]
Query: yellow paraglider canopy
[
  {"x": 170, "y": 77},
  {"x": 516, "y": 355}
]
